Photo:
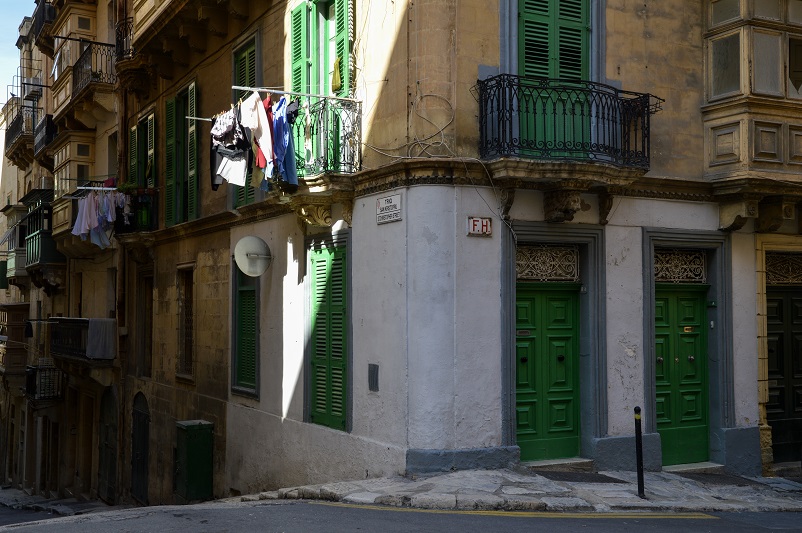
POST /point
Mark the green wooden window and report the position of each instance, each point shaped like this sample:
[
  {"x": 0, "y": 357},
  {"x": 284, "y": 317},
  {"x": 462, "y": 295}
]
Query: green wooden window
[
  {"x": 329, "y": 360},
  {"x": 554, "y": 36},
  {"x": 142, "y": 153},
  {"x": 181, "y": 158},
  {"x": 3, "y": 274},
  {"x": 321, "y": 33},
  {"x": 246, "y": 327},
  {"x": 245, "y": 75}
]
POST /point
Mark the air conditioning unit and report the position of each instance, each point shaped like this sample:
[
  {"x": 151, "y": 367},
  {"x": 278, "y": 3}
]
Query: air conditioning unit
[{"x": 31, "y": 88}]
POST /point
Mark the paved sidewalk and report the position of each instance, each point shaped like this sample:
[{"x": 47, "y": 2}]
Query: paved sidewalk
[
  {"x": 18, "y": 499},
  {"x": 559, "y": 491}
]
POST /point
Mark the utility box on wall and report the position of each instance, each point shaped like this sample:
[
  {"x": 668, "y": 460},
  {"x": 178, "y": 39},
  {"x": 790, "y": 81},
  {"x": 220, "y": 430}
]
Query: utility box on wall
[{"x": 193, "y": 459}]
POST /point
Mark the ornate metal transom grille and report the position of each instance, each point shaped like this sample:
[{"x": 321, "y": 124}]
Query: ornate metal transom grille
[
  {"x": 680, "y": 266},
  {"x": 783, "y": 268},
  {"x": 547, "y": 263}
]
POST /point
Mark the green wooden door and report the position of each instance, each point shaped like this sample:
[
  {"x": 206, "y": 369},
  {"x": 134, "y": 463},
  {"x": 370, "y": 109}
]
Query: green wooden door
[
  {"x": 547, "y": 370},
  {"x": 784, "y": 408},
  {"x": 681, "y": 373},
  {"x": 553, "y": 43}
]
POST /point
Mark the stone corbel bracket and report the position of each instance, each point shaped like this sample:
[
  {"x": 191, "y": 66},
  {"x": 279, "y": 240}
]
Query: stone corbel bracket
[
  {"x": 561, "y": 203},
  {"x": 734, "y": 214},
  {"x": 772, "y": 213}
]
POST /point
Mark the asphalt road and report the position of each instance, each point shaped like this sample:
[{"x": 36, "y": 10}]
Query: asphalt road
[{"x": 317, "y": 517}]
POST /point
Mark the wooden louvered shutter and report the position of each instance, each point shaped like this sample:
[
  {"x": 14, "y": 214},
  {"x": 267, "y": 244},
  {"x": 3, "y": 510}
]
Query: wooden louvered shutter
[
  {"x": 246, "y": 328},
  {"x": 170, "y": 163},
  {"x": 192, "y": 153},
  {"x": 132, "y": 145},
  {"x": 344, "y": 23},
  {"x": 329, "y": 361},
  {"x": 150, "y": 169},
  {"x": 300, "y": 60},
  {"x": 553, "y": 38}
]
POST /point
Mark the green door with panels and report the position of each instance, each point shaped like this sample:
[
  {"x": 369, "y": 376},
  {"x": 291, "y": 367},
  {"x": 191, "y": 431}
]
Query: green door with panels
[
  {"x": 681, "y": 373},
  {"x": 547, "y": 370}
]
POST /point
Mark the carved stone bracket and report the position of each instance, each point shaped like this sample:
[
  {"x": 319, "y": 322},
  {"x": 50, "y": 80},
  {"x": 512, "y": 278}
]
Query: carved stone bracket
[
  {"x": 733, "y": 215},
  {"x": 772, "y": 213},
  {"x": 139, "y": 246},
  {"x": 314, "y": 214},
  {"x": 506, "y": 198},
  {"x": 347, "y": 201},
  {"x": 561, "y": 205},
  {"x": 605, "y": 206}
]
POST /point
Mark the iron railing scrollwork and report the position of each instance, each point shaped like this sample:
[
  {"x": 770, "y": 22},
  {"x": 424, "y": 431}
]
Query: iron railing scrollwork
[
  {"x": 139, "y": 215},
  {"x": 124, "y": 48},
  {"x": 22, "y": 124},
  {"x": 554, "y": 119},
  {"x": 43, "y": 135},
  {"x": 328, "y": 137},
  {"x": 44, "y": 14},
  {"x": 95, "y": 65},
  {"x": 44, "y": 382}
]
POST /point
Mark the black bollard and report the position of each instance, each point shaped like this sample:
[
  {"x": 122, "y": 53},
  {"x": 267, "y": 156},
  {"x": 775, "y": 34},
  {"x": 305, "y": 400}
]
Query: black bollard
[{"x": 639, "y": 452}]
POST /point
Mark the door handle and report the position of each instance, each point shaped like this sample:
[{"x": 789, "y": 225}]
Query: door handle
[
  {"x": 691, "y": 359},
  {"x": 660, "y": 360},
  {"x": 561, "y": 358},
  {"x": 524, "y": 359}
]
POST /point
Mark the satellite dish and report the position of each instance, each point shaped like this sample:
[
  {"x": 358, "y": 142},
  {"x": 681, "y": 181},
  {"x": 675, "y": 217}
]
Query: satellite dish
[{"x": 252, "y": 256}]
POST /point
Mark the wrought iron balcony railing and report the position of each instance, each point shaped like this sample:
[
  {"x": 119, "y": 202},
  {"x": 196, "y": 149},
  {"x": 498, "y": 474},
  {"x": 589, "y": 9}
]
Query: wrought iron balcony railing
[
  {"x": 43, "y": 134},
  {"x": 552, "y": 119},
  {"x": 124, "y": 48},
  {"x": 328, "y": 137},
  {"x": 140, "y": 215},
  {"x": 43, "y": 15},
  {"x": 90, "y": 339},
  {"x": 44, "y": 383},
  {"x": 22, "y": 124},
  {"x": 96, "y": 65}
]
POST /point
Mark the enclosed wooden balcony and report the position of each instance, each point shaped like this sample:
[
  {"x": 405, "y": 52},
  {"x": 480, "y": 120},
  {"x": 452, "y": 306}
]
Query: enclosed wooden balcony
[{"x": 13, "y": 350}]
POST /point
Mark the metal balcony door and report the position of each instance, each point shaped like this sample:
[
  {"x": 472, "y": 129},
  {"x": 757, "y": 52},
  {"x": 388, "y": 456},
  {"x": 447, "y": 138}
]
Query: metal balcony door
[
  {"x": 107, "y": 457},
  {"x": 784, "y": 408},
  {"x": 547, "y": 370},
  {"x": 140, "y": 449},
  {"x": 681, "y": 373}
]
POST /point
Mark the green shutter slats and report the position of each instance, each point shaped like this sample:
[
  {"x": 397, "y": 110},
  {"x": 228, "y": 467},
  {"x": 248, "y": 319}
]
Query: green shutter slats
[
  {"x": 132, "y": 144},
  {"x": 554, "y": 37},
  {"x": 192, "y": 153},
  {"x": 170, "y": 163},
  {"x": 247, "y": 329},
  {"x": 343, "y": 39},
  {"x": 150, "y": 170},
  {"x": 299, "y": 53},
  {"x": 329, "y": 336},
  {"x": 3, "y": 274}
]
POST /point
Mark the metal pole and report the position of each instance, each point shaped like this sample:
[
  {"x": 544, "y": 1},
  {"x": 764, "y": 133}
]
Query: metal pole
[{"x": 639, "y": 452}]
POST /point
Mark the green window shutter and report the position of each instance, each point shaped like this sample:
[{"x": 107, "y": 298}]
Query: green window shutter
[
  {"x": 3, "y": 274},
  {"x": 245, "y": 67},
  {"x": 554, "y": 36},
  {"x": 170, "y": 163},
  {"x": 192, "y": 153},
  {"x": 343, "y": 39},
  {"x": 300, "y": 49},
  {"x": 329, "y": 337},
  {"x": 246, "y": 328},
  {"x": 150, "y": 171},
  {"x": 132, "y": 144}
]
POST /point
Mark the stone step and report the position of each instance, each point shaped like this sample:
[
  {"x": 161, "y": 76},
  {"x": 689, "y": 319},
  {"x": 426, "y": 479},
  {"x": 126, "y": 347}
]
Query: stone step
[
  {"x": 695, "y": 468},
  {"x": 574, "y": 464}
]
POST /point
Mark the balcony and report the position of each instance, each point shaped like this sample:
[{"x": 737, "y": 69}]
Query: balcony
[
  {"x": 90, "y": 341},
  {"x": 43, "y": 262},
  {"x": 564, "y": 120},
  {"x": 44, "y": 382},
  {"x": 43, "y": 135},
  {"x": 13, "y": 352},
  {"x": 124, "y": 42},
  {"x": 335, "y": 127},
  {"x": 94, "y": 66},
  {"x": 43, "y": 17},
  {"x": 20, "y": 135},
  {"x": 141, "y": 216}
]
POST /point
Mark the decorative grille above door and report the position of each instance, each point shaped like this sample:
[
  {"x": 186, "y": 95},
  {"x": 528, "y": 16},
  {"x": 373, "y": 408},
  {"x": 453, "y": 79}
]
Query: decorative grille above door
[
  {"x": 677, "y": 265},
  {"x": 783, "y": 268},
  {"x": 547, "y": 263}
]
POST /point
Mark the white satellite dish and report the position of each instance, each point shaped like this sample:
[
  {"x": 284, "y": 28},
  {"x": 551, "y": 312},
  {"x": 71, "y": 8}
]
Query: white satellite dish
[{"x": 252, "y": 256}]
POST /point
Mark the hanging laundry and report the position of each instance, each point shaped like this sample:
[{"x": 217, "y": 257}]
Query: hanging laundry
[
  {"x": 231, "y": 153},
  {"x": 253, "y": 116},
  {"x": 283, "y": 146}
]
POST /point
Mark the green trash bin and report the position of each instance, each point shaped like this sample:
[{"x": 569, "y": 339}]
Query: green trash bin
[{"x": 193, "y": 460}]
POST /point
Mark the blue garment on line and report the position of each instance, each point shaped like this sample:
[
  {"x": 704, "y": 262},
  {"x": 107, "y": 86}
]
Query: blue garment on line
[{"x": 283, "y": 145}]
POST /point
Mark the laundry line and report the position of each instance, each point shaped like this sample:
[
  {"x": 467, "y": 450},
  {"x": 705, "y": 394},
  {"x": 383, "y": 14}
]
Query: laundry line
[{"x": 278, "y": 91}]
